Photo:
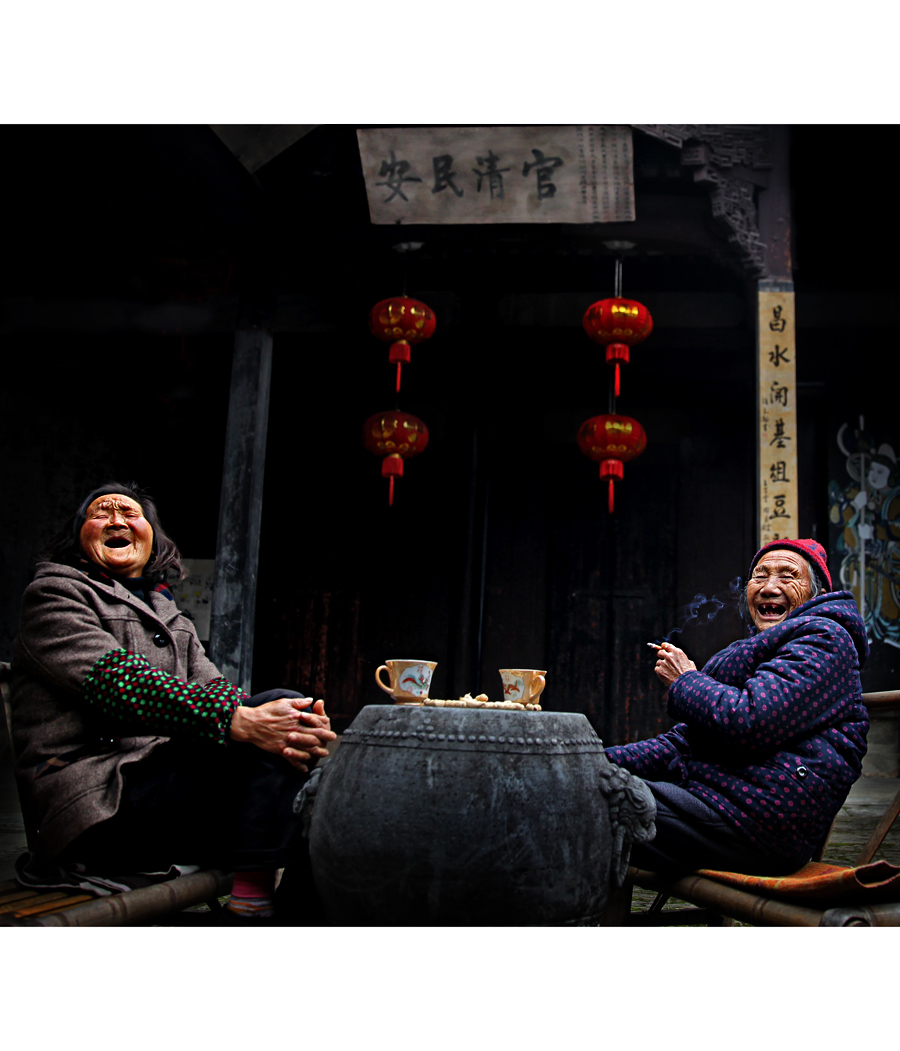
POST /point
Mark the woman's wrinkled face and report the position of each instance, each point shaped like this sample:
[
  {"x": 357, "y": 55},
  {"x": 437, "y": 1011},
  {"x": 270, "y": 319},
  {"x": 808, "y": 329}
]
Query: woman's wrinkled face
[
  {"x": 778, "y": 585},
  {"x": 116, "y": 536}
]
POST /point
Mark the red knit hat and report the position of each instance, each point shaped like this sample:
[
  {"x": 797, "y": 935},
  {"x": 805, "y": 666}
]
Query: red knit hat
[{"x": 811, "y": 550}]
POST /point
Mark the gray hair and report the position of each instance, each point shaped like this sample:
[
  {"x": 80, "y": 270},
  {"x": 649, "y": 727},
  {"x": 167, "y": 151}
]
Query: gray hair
[{"x": 816, "y": 583}]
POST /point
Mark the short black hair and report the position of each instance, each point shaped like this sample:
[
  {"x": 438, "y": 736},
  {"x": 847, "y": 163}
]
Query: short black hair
[{"x": 165, "y": 558}]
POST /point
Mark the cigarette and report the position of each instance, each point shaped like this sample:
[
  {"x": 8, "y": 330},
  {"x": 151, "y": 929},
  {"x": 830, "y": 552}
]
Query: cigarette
[{"x": 654, "y": 645}]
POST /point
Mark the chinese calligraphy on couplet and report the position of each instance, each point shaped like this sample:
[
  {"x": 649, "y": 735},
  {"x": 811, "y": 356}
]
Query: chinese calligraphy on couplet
[
  {"x": 777, "y": 418},
  {"x": 542, "y": 174}
]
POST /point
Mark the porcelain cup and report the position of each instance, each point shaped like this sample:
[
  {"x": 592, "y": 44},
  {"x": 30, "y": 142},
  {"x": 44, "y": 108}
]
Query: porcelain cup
[
  {"x": 410, "y": 680},
  {"x": 523, "y": 685}
]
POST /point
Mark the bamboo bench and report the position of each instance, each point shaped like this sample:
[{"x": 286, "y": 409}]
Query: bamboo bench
[
  {"x": 717, "y": 904},
  {"x": 26, "y": 907}
]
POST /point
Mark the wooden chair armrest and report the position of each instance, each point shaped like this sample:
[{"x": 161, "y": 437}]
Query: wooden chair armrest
[{"x": 885, "y": 701}]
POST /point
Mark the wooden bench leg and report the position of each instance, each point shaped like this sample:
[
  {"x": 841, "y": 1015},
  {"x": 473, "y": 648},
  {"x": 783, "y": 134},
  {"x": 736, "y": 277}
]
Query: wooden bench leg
[
  {"x": 618, "y": 907},
  {"x": 659, "y": 901},
  {"x": 881, "y": 830}
]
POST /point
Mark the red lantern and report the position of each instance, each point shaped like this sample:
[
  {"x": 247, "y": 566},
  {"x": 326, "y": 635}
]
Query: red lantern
[
  {"x": 613, "y": 440},
  {"x": 617, "y": 324},
  {"x": 396, "y": 436},
  {"x": 401, "y": 321}
]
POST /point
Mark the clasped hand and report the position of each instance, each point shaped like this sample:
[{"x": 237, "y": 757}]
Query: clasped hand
[
  {"x": 672, "y": 662},
  {"x": 286, "y": 727}
]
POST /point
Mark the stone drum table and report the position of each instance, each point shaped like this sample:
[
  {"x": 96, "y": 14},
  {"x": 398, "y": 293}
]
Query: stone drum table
[{"x": 438, "y": 816}]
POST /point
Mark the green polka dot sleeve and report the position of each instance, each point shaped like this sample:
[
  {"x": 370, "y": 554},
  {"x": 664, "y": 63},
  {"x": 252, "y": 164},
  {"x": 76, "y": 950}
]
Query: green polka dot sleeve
[{"x": 125, "y": 687}]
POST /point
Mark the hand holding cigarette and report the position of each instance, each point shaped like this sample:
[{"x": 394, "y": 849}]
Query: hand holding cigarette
[{"x": 672, "y": 662}]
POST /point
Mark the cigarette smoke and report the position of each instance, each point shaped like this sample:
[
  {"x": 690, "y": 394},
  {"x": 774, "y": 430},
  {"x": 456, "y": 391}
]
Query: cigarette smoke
[{"x": 703, "y": 609}]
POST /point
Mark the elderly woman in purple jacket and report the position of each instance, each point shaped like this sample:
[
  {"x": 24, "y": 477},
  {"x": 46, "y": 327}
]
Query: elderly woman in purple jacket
[
  {"x": 771, "y": 733},
  {"x": 133, "y": 752}
]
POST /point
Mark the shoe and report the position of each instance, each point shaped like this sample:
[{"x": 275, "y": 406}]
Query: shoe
[{"x": 229, "y": 918}]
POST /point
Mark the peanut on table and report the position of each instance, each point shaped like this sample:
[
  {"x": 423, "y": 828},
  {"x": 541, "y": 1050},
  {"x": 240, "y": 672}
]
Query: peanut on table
[{"x": 481, "y": 701}]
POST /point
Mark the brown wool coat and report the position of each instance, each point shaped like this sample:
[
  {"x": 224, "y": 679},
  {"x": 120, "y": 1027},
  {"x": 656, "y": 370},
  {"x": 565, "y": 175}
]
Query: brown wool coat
[{"x": 69, "y": 621}]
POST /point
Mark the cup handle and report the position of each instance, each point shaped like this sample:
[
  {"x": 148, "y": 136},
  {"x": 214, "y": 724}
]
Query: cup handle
[
  {"x": 378, "y": 671},
  {"x": 540, "y": 682}
]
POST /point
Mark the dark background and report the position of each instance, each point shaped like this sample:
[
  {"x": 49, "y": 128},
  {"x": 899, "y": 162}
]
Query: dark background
[{"x": 128, "y": 251}]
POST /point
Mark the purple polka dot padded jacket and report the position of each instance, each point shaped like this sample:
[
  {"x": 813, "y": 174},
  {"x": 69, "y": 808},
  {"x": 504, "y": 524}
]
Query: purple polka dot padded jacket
[{"x": 772, "y": 731}]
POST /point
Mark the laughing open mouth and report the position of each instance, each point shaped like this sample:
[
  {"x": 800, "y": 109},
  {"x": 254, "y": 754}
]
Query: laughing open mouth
[
  {"x": 117, "y": 541},
  {"x": 771, "y": 609}
]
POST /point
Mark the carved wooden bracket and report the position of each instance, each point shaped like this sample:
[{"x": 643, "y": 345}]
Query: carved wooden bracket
[{"x": 733, "y": 161}]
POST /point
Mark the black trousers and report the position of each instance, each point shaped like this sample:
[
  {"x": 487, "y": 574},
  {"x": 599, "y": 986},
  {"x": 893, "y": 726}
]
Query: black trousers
[
  {"x": 226, "y": 807},
  {"x": 690, "y": 835}
]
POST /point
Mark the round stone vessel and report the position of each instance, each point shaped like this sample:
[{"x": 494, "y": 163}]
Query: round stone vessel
[{"x": 432, "y": 816}]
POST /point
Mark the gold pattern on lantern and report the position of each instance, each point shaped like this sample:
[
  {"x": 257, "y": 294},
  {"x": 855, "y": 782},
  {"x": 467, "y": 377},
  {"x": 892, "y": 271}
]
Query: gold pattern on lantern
[
  {"x": 384, "y": 428},
  {"x": 393, "y": 316},
  {"x": 383, "y": 431}
]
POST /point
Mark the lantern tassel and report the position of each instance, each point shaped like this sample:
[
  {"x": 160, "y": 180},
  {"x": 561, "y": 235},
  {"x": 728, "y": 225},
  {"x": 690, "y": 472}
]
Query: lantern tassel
[
  {"x": 391, "y": 468},
  {"x": 617, "y": 379},
  {"x": 400, "y": 353},
  {"x": 612, "y": 498}
]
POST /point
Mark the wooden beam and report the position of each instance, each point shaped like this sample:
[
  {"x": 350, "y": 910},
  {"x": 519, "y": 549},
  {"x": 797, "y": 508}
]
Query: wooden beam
[
  {"x": 777, "y": 466},
  {"x": 775, "y": 207},
  {"x": 256, "y": 144},
  {"x": 240, "y": 510}
]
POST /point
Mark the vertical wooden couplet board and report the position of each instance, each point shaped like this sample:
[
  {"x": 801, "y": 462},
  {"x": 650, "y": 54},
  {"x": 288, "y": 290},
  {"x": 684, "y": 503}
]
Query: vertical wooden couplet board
[{"x": 777, "y": 412}]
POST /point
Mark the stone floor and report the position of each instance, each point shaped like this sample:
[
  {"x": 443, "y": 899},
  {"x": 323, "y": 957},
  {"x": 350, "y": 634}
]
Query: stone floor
[{"x": 867, "y": 801}]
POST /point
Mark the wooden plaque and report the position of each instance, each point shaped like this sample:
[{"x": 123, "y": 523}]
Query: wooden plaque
[{"x": 576, "y": 173}]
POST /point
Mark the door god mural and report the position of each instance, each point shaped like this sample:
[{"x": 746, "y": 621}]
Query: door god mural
[{"x": 864, "y": 510}]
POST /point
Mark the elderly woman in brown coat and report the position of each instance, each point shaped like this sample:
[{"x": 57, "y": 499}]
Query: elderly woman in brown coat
[{"x": 135, "y": 751}]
